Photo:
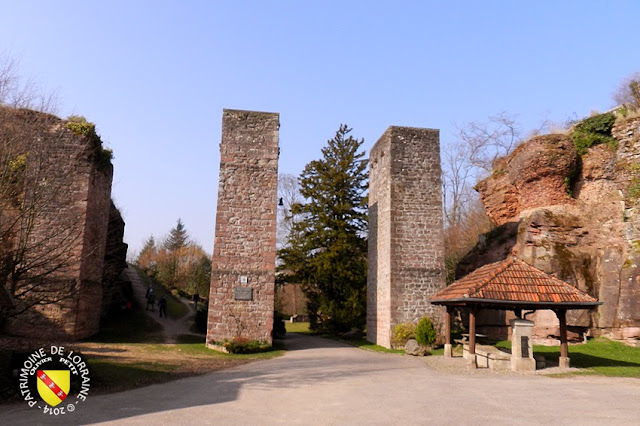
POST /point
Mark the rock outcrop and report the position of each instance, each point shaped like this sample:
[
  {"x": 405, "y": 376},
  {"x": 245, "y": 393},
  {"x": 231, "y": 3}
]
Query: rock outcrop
[
  {"x": 535, "y": 175},
  {"x": 574, "y": 216}
]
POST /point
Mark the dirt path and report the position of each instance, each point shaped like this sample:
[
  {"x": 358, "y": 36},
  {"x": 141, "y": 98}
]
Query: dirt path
[{"x": 172, "y": 328}]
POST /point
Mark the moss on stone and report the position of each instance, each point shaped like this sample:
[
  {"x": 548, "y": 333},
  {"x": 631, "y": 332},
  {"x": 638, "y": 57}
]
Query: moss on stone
[{"x": 80, "y": 126}]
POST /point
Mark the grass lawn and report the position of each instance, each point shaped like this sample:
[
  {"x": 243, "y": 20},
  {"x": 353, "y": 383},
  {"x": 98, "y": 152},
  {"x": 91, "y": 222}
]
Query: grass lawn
[
  {"x": 128, "y": 353},
  {"x": 146, "y": 364},
  {"x": 303, "y": 328},
  {"x": 598, "y": 356},
  {"x": 297, "y": 327}
]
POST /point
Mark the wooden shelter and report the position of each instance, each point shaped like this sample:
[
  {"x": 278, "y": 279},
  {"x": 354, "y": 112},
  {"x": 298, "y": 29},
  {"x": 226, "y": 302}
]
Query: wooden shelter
[{"x": 513, "y": 285}]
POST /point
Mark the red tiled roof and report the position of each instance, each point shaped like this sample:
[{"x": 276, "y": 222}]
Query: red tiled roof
[{"x": 512, "y": 281}]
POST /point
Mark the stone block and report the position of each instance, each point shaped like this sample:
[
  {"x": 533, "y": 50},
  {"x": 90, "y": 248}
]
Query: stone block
[{"x": 521, "y": 345}]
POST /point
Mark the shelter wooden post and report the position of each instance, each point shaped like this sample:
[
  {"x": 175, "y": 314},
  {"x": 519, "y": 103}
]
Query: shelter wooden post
[
  {"x": 472, "y": 337},
  {"x": 564, "y": 347},
  {"x": 447, "y": 333}
]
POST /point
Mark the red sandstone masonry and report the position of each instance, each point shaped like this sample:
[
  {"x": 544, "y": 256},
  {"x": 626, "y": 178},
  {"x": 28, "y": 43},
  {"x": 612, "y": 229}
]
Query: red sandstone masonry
[
  {"x": 245, "y": 227},
  {"x": 80, "y": 207},
  {"x": 406, "y": 245}
]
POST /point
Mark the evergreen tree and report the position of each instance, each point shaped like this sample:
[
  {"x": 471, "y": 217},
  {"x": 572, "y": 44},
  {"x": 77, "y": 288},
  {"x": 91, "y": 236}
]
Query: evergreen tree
[
  {"x": 146, "y": 258},
  {"x": 327, "y": 248},
  {"x": 149, "y": 247},
  {"x": 177, "y": 237}
]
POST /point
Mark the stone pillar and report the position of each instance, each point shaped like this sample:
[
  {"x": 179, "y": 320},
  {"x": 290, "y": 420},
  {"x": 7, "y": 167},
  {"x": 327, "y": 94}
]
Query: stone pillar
[
  {"x": 406, "y": 246},
  {"x": 243, "y": 264},
  {"x": 521, "y": 346}
]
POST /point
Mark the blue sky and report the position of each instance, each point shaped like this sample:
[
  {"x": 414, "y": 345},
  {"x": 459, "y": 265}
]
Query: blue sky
[{"x": 155, "y": 75}]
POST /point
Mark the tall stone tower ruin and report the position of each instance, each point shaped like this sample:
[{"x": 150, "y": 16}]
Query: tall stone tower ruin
[
  {"x": 59, "y": 217},
  {"x": 406, "y": 245},
  {"x": 243, "y": 265}
]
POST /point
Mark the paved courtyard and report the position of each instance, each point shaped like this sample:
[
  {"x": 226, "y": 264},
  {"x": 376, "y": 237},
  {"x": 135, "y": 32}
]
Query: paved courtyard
[{"x": 320, "y": 381}]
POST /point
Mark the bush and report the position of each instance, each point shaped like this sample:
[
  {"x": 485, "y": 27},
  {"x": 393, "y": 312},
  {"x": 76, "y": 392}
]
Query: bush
[
  {"x": 592, "y": 131},
  {"x": 402, "y": 333},
  {"x": 425, "y": 332},
  {"x": 242, "y": 345}
]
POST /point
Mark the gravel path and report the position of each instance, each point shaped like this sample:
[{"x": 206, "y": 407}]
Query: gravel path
[{"x": 320, "y": 381}]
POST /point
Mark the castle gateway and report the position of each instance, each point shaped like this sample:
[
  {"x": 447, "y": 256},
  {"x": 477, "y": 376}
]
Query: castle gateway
[{"x": 406, "y": 247}]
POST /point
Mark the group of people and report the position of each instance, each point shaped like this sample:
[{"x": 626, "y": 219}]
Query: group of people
[
  {"x": 162, "y": 302},
  {"x": 151, "y": 302}
]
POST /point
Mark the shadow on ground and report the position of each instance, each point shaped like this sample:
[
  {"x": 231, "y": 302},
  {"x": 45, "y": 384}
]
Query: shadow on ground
[{"x": 218, "y": 387}]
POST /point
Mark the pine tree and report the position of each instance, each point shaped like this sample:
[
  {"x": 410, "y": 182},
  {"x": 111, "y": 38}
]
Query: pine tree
[
  {"x": 326, "y": 251},
  {"x": 149, "y": 246},
  {"x": 177, "y": 237},
  {"x": 146, "y": 258}
]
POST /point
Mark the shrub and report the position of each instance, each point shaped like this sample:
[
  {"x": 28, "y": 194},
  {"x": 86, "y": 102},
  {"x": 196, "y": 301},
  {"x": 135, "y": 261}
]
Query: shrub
[
  {"x": 592, "y": 131},
  {"x": 80, "y": 126},
  {"x": 242, "y": 345},
  {"x": 425, "y": 332},
  {"x": 402, "y": 333}
]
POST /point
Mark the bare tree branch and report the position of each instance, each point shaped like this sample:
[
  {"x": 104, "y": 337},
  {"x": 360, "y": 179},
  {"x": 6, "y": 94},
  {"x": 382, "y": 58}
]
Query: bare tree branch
[
  {"x": 628, "y": 92},
  {"x": 19, "y": 91},
  {"x": 39, "y": 228},
  {"x": 289, "y": 193},
  {"x": 464, "y": 163}
]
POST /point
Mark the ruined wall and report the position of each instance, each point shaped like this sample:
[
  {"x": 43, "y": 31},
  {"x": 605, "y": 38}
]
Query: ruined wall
[
  {"x": 115, "y": 261},
  {"x": 241, "y": 300},
  {"x": 96, "y": 220},
  {"x": 69, "y": 189},
  {"x": 406, "y": 245}
]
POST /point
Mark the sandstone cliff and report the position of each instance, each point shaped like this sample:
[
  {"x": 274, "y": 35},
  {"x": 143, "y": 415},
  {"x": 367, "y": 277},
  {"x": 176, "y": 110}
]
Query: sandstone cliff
[{"x": 575, "y": 216}]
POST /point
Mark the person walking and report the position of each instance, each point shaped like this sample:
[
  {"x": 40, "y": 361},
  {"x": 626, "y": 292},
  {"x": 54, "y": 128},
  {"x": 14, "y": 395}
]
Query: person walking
[
  {"x": 196, "y": 298},
  {"x": 151, "y": 300},
  {"x": 162, "y": 306}
]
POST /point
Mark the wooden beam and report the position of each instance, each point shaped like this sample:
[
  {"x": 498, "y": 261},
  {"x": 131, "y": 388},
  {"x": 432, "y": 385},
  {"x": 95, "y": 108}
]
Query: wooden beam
[
  {"x": 447, "y": 333},
  {"x": 562, "y": 316},
  {"x": 564, "y": 346},
  {"x": 447, "y": 326},
  {"x": 472, "y": 330}
]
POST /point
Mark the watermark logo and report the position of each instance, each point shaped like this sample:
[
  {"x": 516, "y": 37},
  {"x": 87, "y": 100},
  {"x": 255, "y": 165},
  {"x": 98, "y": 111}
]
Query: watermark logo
[
  {"x": 53, "y": 385},
  {"x": 54, "y": 381}
]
